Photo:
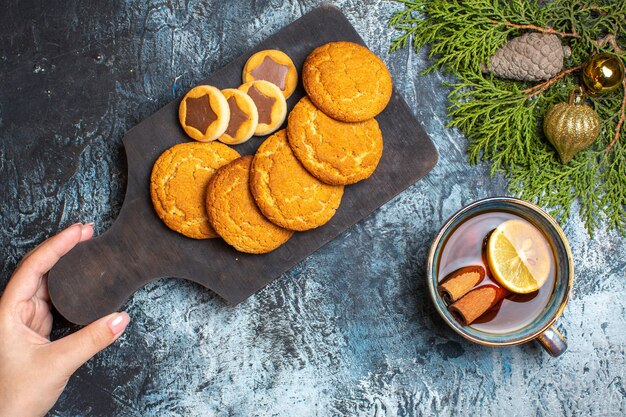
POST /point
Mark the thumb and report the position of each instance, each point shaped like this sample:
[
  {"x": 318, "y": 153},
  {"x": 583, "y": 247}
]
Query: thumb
[{"x": 72, "y": 351}]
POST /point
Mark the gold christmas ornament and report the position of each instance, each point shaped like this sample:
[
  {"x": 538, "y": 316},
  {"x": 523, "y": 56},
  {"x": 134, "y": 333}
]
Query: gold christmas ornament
[
  {"x": 571, "y": 127},
  {"x": 603, "y": 73}
]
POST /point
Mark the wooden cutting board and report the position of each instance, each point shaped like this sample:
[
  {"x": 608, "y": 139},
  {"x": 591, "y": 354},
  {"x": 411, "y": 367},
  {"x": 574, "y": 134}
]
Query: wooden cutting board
[{"x": 99, "y": 275}]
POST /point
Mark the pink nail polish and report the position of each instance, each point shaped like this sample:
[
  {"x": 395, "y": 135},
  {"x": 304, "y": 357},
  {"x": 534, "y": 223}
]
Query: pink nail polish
[{"x": 118, "y": 323}]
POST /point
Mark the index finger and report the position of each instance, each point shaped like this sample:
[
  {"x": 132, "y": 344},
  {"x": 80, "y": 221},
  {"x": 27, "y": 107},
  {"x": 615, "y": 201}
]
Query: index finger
[{"x": 27, "y": 278}]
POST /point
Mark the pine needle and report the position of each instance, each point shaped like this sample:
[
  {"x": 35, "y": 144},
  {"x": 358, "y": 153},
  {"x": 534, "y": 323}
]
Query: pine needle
[{"x": 504, "y": 125}]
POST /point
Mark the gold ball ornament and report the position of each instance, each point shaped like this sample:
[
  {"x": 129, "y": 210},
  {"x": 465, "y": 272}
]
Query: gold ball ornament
[
  {"x": 603, "y": 73},
  {"x": 571, "y": 127}
]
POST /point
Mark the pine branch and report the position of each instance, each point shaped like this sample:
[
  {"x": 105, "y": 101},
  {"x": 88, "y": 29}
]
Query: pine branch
[
  {"x": 612, "y": 40},
  {"x": 455, "y": 44},
  {"x": 502, "y": 119},
  {"x": 540, "y": 88},
  {"x": 487, "y": 113},
  {"x": 536, "y": 28},
  {"x": 621, "y": 118}
]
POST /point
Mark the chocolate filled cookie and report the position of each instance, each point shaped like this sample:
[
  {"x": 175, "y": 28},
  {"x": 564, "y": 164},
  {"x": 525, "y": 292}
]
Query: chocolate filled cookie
[
  {"x": 204, "y": 113},
  {"x": 274, "y": 66},
  {"x": 244, "y": 117},
  {"x": 347, "y": 81},
  {"x": 270, "y": 104}
]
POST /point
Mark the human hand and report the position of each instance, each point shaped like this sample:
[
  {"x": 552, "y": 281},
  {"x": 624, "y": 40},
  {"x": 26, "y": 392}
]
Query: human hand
[{"x": 34, "y": 370}]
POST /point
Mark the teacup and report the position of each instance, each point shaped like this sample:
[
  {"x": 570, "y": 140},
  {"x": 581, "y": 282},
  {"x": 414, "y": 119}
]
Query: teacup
[{"x": 541, "y": 328}]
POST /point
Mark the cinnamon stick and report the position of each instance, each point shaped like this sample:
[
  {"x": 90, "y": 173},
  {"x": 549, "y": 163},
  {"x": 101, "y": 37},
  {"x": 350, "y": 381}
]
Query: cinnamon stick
[
  {"x": 476, "y": 303},
  {"x": 460, "y": 282}
]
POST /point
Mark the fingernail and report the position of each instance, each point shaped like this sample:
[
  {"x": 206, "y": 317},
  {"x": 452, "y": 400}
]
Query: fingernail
[
  {"x": 118, "y": 323},
  {"x": 86, "y": 230}
]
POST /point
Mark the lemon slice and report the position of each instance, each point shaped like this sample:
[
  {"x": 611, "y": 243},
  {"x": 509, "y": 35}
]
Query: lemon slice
[{"x": 519, "y": 256}]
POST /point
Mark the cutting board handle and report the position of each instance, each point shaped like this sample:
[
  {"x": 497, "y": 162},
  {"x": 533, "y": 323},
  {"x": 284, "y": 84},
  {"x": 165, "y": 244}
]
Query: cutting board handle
[{"x": 97, "y": 276}]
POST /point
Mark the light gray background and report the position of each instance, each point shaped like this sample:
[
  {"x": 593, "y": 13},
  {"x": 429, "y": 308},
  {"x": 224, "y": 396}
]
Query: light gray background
[{"x": 350, "y": 330}]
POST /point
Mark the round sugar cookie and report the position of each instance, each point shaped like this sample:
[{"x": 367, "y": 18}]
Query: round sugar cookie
[
  {"x": 347, "y": 81},
  {"x": 234, "y": 214},
  {"x": 285, "y": 192},
  {"x": 270, "y": 104},
  {"x": 335, "y": 152},
  {"x": 178, "y": 185},
  {"x": 243, "y": 117},
  {"x": 204, "y": 113},
  {"x": 274, "y": 66}
]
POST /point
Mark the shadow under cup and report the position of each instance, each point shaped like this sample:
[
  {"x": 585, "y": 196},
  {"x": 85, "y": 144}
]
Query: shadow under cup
[{"x": 541, "y": 328}]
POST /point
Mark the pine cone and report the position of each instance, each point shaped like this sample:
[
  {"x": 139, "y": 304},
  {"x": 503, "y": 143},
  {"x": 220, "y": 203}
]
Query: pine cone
[{"x": 530, "y": 57}]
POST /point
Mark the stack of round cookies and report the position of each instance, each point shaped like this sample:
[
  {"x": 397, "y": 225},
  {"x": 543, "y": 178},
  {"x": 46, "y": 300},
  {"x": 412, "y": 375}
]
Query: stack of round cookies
[{"x": 296, "y": 179}]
